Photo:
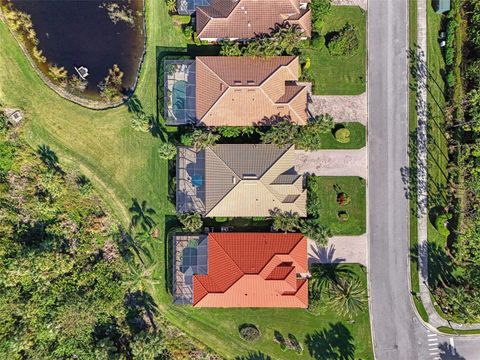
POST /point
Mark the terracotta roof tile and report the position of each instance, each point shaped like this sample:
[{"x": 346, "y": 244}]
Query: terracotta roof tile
[
  {"x": 241, "y": 91},
  {"x": 236, "y": 262},
  {"x": 244, "y": 19}
]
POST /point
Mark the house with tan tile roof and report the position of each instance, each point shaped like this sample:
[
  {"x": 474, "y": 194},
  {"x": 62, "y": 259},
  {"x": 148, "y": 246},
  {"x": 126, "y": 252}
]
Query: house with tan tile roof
[
  {"x": 241, "y": 270},
  {"x": 243, "y": 91},
  {"x": 245, "y": 19},
  {"x": 239, "y": 180}
]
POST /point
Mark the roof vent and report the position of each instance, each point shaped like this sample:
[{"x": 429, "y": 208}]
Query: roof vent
[
  {"x": 237, "y": 82},
  {"x": 250, "y": 82},
  {"x": 250, "y": 176}
]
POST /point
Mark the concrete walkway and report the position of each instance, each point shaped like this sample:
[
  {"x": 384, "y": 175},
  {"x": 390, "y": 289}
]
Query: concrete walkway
[
  {"x": 340, "y": 249},
  {"x": 361, "y": 3},
  {"x": 343, "y": 108},
  {"x": 332, "y": 162}
]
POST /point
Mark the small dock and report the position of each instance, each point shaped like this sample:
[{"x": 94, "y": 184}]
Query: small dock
[{"x": 82, "y": 71}]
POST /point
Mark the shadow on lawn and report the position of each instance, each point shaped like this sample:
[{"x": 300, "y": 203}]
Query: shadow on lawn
[
  {"x": 333, "y": 343},
  {"x": 254, "y": 356}
]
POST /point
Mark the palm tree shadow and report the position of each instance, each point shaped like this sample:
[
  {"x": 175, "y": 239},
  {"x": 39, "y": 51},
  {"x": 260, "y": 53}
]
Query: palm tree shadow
[
  {"x": 448, "y": 352},
  {"x": 324, "y": 255},
  {"x": 334, "y": 343},
  {"x": 142, "y": 215},
  {"x": 140, "y": 311}
]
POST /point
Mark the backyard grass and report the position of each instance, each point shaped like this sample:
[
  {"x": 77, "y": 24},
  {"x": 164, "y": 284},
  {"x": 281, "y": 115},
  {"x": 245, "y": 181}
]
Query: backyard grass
[
  {"x": 340, "y": 75},
  {"x": 357, "y": 137},
  {"x": 324, "y": 189},
  {"x": 124, "y": 164}
]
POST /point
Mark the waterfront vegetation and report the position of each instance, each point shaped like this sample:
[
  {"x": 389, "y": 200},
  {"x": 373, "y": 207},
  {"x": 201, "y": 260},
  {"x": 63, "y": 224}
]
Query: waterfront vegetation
[{"x": 125, "y": 168}]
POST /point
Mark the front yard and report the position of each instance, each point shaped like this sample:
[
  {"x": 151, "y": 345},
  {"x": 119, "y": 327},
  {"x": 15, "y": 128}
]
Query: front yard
[
  {"x": 341, "y": 203},
  {"x": 339, "y": 75}
]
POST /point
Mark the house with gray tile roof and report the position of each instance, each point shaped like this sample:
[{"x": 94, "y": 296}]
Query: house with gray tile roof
[{"x": 239, "y": 180}]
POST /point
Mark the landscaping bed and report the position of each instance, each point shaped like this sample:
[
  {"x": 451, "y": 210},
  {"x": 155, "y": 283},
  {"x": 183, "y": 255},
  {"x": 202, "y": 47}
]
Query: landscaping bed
[{"x": 325, "y": 193}]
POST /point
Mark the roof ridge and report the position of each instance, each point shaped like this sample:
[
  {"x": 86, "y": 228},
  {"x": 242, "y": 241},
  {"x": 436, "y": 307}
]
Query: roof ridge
[
  {"x": 287, "y": 65},
  {"x": 229, "y": 191},
  {"x": 233, "y": 261},
  {"x": 276, "y": 254},
  {"x": 199, "y": 58}
]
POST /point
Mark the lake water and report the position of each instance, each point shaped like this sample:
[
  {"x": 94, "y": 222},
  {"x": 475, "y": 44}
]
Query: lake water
[{"x": 81, "y": 33}]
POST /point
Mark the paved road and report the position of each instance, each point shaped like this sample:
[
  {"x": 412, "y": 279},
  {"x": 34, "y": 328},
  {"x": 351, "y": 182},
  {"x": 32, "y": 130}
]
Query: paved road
[{"x": 397, "y": 332}]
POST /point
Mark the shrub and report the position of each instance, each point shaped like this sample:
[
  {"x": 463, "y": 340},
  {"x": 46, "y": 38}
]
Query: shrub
[
  {"x": 287, "y": 221},
  {"x": 249, "y": 332},
  {"x": 342, "y": 135},
  {"x": 230, "y": 131},
  {"x": 279, "y": 339},
  {"x": 440, "y": 224},
  {"x": 344, "y": 42},
  {"x": 191, "y": 221},
  {"x": 294, "y": 344},
  {"x": 167, "y": 151},
  {"x": 343, "y": 199},
  {"x": 258, "y": 218},
  {"x": 342, "y": 216},
  {"x": 316, "y": 232},
  {"x": 181, "y": 19},
  {"x": 221, "y": 219},
  {"x": 171, "y": 6},
  {"x": 307, "y": 64},
  {"x": 318, "y": 41},
  {"x": 186, "y": 139},
  {"x": 320, "y": 8}
]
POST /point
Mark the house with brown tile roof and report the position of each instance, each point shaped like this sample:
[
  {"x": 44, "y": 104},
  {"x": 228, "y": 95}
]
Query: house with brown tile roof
[
  {"x": 245, "y": 19},
  {"x": 239, "y": 180},
  {"x": 243, "y": 91},
  {"x": 242, "y": 270}
]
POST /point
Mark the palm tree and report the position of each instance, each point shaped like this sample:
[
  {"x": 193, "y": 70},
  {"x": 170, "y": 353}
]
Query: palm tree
[
  {"x": 326, "y": 276},
  {"x": 191, "y": 221},
  {"x": 316, "y": 232},
  {"x": 147, "y": 346},
  {"x": 167, "y": 151},
  {"x": 141, "y": 215},
  {"x": 142, "y": 275},
  {"x": 287, "y": 221},
  {"x": 348, "y": 296}
]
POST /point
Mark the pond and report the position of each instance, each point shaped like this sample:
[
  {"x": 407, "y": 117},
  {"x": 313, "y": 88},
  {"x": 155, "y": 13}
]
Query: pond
[{"x": 94, "y": 34}]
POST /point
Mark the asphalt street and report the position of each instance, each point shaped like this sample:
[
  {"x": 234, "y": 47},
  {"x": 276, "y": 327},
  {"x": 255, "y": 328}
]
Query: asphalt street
[{"x": 397, "y": 332}]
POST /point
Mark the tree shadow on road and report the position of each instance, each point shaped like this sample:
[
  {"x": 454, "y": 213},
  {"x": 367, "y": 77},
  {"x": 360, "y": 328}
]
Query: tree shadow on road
[{"x": 448, "y": 352}]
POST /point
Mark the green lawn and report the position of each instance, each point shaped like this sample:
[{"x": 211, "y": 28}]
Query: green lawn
[
  {"x": 123, "y": 164},
  {"x": 340, "y": 75},
  {"x": 437, "y": 143},
  {"x": 324, "y": 188},
  {"x": 358, "y": 136}
]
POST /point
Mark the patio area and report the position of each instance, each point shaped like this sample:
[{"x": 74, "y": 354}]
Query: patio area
[
  {"x": 190, "y": 257},
  {"x": 190, "y": 180},
  {"x": 179, "y": 90}
]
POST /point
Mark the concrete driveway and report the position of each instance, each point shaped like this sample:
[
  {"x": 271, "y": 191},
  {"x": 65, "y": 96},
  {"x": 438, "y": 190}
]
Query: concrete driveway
[
  {"x": 348, "y": 249},
  {"x": 343, "y": 108},
  {"x": 332, "y": 162}
]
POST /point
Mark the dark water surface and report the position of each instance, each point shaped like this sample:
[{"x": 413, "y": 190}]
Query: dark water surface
[{"x": 81, "y": 33}]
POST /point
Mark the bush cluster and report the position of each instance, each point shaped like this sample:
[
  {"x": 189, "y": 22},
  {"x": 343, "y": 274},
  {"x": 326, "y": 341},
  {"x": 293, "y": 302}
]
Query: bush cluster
[
  {"x": 345, "y": 42},
  {"x": 249, "y": 332}
]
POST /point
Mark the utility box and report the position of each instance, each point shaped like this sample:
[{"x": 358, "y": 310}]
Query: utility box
[{"x": 441, "y": 6}]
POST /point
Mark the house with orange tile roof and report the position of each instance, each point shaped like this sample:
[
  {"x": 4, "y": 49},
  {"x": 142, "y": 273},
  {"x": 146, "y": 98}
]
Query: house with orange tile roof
[
  {"x": 243, "y": 91},
  {"x": 241, "y": 270},
  {"x": 234, "y": 91},
  {"x": 245, "y": 19}
]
